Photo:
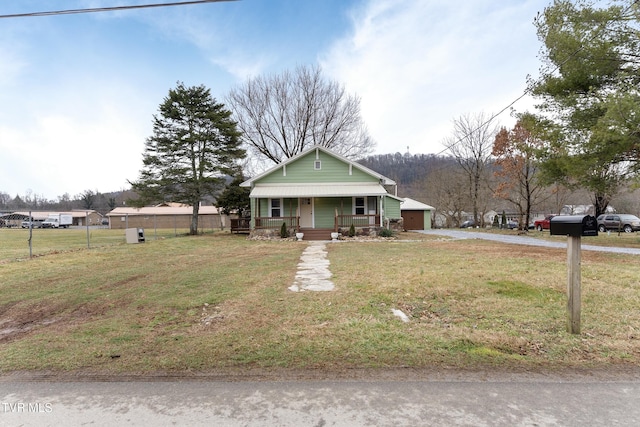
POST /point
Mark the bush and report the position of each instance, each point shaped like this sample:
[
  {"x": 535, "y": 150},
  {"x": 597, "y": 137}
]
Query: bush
[
  {"x": 385, "y": 232},
  {"x": 352, "y": 231},
  {"x": 284, "y": 233}
]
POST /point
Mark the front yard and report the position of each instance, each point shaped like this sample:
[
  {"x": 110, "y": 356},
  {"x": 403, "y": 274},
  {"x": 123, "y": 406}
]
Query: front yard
[{"x": 220, "y": 302}]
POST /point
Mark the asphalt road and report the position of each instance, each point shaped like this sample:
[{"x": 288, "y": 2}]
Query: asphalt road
[
  {"x": 539, "y": 401},
  {"x": 524, "y": 240}
]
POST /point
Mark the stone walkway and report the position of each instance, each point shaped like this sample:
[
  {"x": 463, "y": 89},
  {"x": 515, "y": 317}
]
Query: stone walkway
[{"x": 313, "y": 270}]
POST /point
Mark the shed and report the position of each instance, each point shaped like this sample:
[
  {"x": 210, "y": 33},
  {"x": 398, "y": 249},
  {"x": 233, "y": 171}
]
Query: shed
[{"x": 416, "y": 215}]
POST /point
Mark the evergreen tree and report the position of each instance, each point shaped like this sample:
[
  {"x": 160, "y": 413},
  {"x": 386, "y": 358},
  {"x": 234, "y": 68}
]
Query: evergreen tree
[
  {"x": 234, "y": 197},
  {"x": 195, "y": 143},
  {"x": 592, "y": 96}
]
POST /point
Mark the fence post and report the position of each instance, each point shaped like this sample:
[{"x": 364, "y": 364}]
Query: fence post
[
  {"x": 86, "y": 221},
  {"x": 30, "y": 235}
]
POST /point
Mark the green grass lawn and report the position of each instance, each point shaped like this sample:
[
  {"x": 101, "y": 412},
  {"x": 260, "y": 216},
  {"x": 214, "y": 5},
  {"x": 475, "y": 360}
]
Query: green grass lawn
[
  {"x": 220, "y": 301},
  {"x": 21, "y": 243}
]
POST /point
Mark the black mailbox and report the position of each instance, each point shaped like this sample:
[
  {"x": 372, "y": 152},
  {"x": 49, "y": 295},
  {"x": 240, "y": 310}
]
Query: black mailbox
[{"x": 573, "y": 225}]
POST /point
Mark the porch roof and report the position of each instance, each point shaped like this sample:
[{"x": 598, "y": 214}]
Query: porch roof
[{"x": 318, "y": 190}]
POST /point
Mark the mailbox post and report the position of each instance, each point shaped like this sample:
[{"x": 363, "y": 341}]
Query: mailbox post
[{"x": 574, "y": 227}]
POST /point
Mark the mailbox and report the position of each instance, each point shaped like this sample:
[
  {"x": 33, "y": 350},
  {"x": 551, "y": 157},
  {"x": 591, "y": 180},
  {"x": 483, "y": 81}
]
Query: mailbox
[{"x": 573, "y": 225}]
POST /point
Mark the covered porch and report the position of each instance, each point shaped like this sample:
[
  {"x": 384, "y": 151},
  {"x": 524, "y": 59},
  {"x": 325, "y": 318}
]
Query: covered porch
[{"x": 324, "y": 208}]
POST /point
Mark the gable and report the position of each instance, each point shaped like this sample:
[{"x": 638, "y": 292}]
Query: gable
[{"x": 320, "y": 166}]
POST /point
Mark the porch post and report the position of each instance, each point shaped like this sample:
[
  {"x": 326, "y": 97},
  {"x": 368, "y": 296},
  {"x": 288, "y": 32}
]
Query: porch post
[{"x": 257, "y": 214}]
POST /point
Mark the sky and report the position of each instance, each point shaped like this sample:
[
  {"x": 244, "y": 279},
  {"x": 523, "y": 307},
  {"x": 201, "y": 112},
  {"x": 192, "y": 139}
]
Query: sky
[{"x": 78, "y": 92}]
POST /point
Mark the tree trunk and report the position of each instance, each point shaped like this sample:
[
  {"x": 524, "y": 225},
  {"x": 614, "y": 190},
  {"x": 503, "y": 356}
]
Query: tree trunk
[
  {"x": 601, "y": 204},
  {"x": 193, "y": 228}
]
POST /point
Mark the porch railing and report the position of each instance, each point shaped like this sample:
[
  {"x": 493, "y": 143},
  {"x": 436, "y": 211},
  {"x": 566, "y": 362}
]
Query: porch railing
[
  {"x": 240, "y": 225},
  {"x": 276, "y": 221},
  {"x": 357, "y": 221}
]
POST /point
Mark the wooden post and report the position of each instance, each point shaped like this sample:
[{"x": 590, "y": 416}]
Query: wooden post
[
  {"x": 86, "y": 221},
  {"x": 573, "y": 284}
]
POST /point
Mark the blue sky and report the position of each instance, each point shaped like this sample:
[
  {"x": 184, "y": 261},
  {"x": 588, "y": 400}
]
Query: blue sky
[{"x": 77, "y": 92}]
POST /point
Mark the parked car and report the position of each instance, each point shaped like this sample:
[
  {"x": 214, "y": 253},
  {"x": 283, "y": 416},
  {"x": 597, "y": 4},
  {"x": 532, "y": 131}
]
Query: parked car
[
  {"x": 33, "y": 224},
  {"x": 512, "y": 225},
  {"x": 543, "y": 224},
  {"x": 618, "y": 222},
  {"x": 468, "y": 224}
]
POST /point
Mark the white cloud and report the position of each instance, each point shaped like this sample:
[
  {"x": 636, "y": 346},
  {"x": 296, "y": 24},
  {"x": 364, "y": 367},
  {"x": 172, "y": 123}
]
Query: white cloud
[
  {"x": 75, "y": 145},
  {"x": 419, "y": 65}
]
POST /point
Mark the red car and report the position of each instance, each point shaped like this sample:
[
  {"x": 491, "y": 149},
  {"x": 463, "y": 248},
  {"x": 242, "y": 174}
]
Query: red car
[{"x": 543, "y": 224}]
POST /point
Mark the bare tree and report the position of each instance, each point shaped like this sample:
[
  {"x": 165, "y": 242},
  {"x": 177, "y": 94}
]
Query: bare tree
[
  {"x": 5, "y": 198},
  {"x": 281, "y": 115},
  {"x": 517, "y": 168},
  {"x": 471, "y": 146},
  {"x": 448, "y": 193},
  {"x": 88, "y": 198}
]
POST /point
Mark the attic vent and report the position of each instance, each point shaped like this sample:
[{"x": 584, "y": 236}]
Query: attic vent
[{"x": 317, "y": 165}]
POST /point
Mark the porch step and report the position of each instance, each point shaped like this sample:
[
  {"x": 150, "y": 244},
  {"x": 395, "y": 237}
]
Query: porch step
[{"x": 316, "y": 233}]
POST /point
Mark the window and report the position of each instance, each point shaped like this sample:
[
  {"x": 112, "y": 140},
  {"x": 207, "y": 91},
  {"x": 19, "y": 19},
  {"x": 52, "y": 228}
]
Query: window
[
  {"x": 317, "y": 165},
  {"x": 275, "y": 207},
  {"x": 359, "y": 206}
]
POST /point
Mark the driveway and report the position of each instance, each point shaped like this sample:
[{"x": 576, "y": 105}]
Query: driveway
[{"x": 524, "y": 240}]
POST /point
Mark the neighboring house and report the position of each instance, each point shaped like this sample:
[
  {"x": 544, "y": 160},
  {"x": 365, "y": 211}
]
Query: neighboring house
[
  {"x": 416, "y": 215},
  {"x": 583, "y": 210},
  {"x": 166, "y": 215},
  {"x": 318, "y": 192},
  {"x": 577, "y": 210}
]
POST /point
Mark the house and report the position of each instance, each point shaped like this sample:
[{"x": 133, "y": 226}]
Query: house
[
  {"x": 318, "y": 192},
  {"x": 416, "y": 215},
  {"x": 166, "y": 215}
]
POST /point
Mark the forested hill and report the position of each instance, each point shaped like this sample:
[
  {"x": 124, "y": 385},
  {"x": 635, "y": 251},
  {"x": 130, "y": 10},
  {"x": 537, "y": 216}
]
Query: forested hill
[{"x": 408, "y": 171}]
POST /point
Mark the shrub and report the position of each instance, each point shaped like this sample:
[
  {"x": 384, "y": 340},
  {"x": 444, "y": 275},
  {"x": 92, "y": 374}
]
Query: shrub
[
  {"x": 352, "y": 231},
  {"x": 385, "y": 232},
  {"x": 284, "y": 233}
]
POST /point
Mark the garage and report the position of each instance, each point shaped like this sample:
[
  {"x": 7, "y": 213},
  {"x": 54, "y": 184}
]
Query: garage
[{"x": 416, "y": 215}]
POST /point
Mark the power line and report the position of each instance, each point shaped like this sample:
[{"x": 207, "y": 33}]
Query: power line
[{"x": 108, "y": 9}]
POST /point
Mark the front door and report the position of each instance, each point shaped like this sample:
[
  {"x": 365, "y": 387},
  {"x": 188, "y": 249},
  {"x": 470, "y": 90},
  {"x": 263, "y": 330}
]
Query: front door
[
  {"x": 371, "y": 209},
  {"x": 306, "y": 212}
]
